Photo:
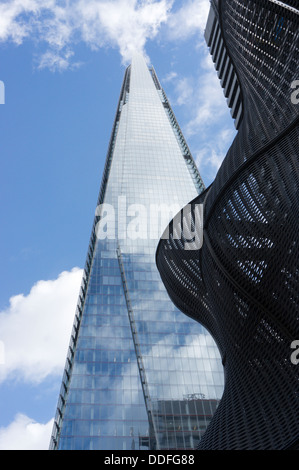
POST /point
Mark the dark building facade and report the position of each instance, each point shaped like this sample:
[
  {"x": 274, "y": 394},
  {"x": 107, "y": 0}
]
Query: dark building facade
[{"x": 243, "y": 283}]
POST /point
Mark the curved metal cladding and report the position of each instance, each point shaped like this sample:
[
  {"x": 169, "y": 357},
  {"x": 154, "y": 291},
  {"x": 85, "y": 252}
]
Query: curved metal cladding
[{"x": 243, "y": 284}]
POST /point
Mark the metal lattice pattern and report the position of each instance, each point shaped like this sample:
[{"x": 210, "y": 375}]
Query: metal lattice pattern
[{"x": 243, "y": 284}]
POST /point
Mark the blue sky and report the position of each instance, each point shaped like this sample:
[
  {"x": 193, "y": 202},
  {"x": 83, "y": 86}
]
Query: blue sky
[{"x": 62, "y": 64}]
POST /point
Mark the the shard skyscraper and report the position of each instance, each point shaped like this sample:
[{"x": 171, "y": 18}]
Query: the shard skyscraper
[{"x": 132, "y": 378}]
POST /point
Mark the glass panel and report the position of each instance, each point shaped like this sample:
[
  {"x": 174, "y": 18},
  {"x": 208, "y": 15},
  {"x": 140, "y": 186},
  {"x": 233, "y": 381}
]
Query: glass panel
[{"x": 105, "y": 407}]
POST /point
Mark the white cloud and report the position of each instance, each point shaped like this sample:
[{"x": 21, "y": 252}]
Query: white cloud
[
  {"x": 208, "y": 127},
  {"x": 190, "y": 19},
  {"x": 208, "y": 100},
  {"x": 25, "y": 434},
  {"x": 57, "y": 60},
  {"x": 211, "y": 155},
  {"x": 122, "y": 24},
  {"x": 169, "y": 77},
  {"x": 202, "y": 95},
  {"x": 184, "y": 91},
  {"x": 126, "y": 24},
  {"x": 35, "y": 329}
]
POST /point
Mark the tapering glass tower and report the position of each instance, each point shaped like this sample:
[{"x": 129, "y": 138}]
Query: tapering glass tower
[
  {"x": 139, "y": 374},
  {"x": 245, "y": 277}
]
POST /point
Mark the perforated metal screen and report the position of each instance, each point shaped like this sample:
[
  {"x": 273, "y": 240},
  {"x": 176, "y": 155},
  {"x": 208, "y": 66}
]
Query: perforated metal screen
[{"x": 243, "y": 284}]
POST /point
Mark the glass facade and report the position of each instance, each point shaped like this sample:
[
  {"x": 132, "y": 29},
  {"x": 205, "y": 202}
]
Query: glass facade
[{"x": 139, "y": 374}]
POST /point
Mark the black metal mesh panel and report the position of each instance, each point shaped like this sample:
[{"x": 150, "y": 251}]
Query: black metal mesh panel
[{"x": 243, "y": 284}]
